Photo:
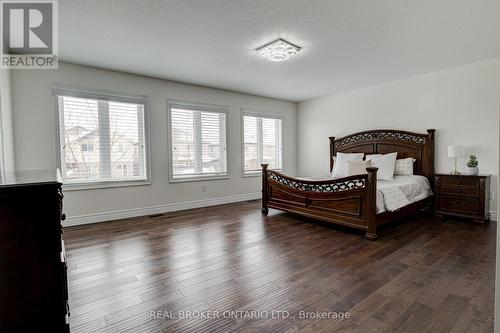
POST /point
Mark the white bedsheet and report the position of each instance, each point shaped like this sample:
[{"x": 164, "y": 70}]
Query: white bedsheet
[
  {"x": 397, "y": 193},
  {"x": 401, "y": 191}
]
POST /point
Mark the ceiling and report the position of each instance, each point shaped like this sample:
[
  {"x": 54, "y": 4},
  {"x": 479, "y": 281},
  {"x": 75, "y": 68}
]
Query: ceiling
[{"x": 347, "y": 44}]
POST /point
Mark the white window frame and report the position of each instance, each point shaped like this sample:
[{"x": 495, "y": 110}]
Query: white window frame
[
  {"x": 262, "y": 114},
  {"x": 198, "y": 107},
  {"x": 79, "y": 92}
]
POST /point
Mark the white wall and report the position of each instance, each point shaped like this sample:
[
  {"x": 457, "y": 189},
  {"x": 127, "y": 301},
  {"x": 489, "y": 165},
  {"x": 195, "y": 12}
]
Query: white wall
[
  {"x": 7, "y": 140},
  {"x": 34, "y": 128},
  {"x": 461, "y": 103},
  {"x": 497, "y": 262}
]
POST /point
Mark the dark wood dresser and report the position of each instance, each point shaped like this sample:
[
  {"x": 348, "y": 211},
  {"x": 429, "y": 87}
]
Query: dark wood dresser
[
  {"x": 463, "y": 196},
  {"x": 33, "y": 283}
]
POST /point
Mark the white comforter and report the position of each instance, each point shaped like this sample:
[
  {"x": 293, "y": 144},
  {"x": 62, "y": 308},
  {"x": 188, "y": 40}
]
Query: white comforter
[
  {"x": 397, "y": 193},
  {"x": 402, "y": 191}
]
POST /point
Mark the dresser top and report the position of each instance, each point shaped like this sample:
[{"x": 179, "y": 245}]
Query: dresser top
[
  {"x": 30, "y": 177},
  {"x": 462, "y": 175}
]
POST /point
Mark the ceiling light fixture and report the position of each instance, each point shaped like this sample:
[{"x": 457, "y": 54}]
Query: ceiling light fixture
[{"x": 278, "y": 50}]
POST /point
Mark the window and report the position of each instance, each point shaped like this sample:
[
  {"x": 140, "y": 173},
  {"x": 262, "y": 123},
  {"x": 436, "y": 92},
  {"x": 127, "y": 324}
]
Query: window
[
  {"x": 87, "y": 147},
  {"x": 262, "y": 142},
  {"x": 122, "y": 169},
  {"x": 197, "y": 141},
  {"x": 102, "y": 138}
]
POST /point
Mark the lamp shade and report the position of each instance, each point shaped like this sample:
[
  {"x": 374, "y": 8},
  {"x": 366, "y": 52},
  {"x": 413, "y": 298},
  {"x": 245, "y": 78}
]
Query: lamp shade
[{"x": 455, "y": 151}]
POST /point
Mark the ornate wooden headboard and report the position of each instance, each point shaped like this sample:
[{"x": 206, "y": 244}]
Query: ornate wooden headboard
[{"x": 406, "y": 144}]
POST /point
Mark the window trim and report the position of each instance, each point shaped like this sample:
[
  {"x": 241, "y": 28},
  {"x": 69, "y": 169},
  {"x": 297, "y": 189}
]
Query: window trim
[
  {"x": 249, "y": 112},
  {"x": 80, "y": 92},
  {"x": 197, "y": 106}
]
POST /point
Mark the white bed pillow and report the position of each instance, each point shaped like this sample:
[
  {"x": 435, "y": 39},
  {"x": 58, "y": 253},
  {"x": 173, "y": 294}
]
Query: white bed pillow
[
  {"x": 358, "y": 167},
  {"x": 404, "y": 166},
  {"x": 340, "y": 167},
  {"x": 385, "y": 164}
]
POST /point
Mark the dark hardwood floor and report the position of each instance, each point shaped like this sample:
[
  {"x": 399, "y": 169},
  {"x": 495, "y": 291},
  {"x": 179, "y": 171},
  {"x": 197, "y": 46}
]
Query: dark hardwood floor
[{"x": 423, "y": 274}]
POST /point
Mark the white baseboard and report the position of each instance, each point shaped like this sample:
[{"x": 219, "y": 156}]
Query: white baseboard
[{"x": 144, "y": 211}]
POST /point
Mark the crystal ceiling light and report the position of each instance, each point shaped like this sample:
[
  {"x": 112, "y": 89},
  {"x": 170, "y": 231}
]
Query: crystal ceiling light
[{"x": 278, "y": 50}]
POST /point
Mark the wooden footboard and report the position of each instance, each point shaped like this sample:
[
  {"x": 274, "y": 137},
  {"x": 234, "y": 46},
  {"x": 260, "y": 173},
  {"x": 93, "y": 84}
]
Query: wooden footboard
[{"x": 349, "y": 201}]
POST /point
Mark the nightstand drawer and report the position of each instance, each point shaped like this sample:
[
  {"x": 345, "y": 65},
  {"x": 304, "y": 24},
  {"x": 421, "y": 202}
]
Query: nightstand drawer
[
  {"x": 460, "y": 190},
  {"x": 464, "y": 205},
  {"x": 459, "y": 181}
]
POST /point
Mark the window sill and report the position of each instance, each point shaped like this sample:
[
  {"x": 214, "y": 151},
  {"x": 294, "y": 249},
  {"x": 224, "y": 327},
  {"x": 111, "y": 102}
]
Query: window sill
[
  {"x": 103, "y": 185},
  {"x": 196, "y": 179},
  {"x": 257, "y": 173}
]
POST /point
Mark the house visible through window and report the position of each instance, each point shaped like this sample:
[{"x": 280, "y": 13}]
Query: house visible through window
[
  {"x": 262, "y": 142},
  {"x": 197, "y": 141},
  {"x": 102, "y": 138}
]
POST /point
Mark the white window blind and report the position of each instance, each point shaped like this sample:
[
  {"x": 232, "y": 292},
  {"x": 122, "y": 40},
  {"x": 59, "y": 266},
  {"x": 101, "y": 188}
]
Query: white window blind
[
  {"x": 198, "y": 142},
  {"x": 101, "y": 139},
  {"x": 262, "y": 142}
]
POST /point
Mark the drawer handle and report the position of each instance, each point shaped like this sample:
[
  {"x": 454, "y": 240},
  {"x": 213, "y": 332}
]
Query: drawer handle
[
  {"x": 459, "y": 183},
  {"x": 459, "y": 191}
]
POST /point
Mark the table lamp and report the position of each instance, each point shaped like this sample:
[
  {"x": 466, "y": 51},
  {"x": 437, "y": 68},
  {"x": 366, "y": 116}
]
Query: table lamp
[{"x": 455, "y": 151}]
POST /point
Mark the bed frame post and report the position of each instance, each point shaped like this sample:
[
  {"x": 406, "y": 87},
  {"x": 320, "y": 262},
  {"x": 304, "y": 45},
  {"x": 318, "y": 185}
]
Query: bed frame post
[
  {"x": 265, "y": 190},
  {"x": 371, "y": 204},
  {"x": 428, "y": 169},
  {"x": 332, "y": 151}
]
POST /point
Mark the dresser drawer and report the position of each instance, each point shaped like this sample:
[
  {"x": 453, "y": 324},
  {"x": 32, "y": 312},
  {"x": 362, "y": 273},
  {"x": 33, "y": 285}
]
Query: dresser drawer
[
  {"x": 459, "y": 181},
  {"x": 460, "y": 190},
  {"x": 455, "y": 204}
]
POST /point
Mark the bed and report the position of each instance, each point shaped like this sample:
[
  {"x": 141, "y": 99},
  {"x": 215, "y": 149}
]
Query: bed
[{"x": 355, "y": 201}]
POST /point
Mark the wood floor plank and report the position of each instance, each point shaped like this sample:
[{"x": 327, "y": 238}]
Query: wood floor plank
[{"x": 423, "y": 274}]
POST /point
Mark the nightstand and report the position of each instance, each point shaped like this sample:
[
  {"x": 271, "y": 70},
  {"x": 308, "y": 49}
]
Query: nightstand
[{"x": 463, "y": 196}]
